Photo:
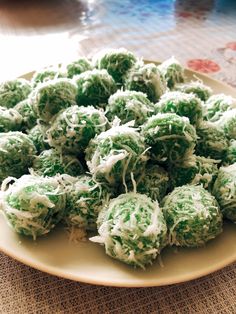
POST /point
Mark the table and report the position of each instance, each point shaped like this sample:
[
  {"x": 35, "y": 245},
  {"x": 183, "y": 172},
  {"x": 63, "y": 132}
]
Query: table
[{"x": 202, "y": 36}]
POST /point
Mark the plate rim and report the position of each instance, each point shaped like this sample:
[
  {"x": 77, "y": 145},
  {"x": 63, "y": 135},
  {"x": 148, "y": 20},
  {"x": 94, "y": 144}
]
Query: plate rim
[
  {"x": 121, "y": 284},
  {"x": 129, "y": 284}
]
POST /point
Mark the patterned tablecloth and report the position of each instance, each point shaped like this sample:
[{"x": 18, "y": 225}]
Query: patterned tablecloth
[{"x": 202, "y": 35}]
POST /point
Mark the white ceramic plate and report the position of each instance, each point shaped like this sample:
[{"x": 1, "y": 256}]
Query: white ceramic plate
[{"x": 87, "y": 262}]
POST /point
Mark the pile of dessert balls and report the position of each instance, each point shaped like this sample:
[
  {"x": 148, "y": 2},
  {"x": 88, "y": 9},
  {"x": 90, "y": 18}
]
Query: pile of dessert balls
[{"x": 126, "y": 149}]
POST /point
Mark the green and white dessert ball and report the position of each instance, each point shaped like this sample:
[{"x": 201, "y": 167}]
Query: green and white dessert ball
[
  {"x": 10, "y": 120},
  {"x": 52, "y": 96},
  {"x": 192, "y": 215},
  {"x": 216, "y": 105},
  {"x": 185, "y": 105},
  {"x": 46, "y": 74},
  {"x": 128, "y": 106},
  {"x": 225, "y": 191},
  {"x": 147, "y": 79},
  {"x": 74, "y": 127},
  {"x": 113, "y": 155},
  {"x": 228, "y": 123},
  {"x": 33, "y": 205},
  {"x": 85, "y": 198},
  {"x": 26, "y": 110},
  {"x": 153, "y": 182},
  {"x": 77, "y": 67},
  {"x": 194, "y": 170},
  {"x": 94, "y": 87},
  {"x": 170, "y": 137},
  {"x": 117, "y": 62},
  {"x": 212, "y": 141},
  {"x": 230, "y": 156},
  {"x": 38, "y": 136},
  {"x": 172, "y": 71},
  {"x": 50, "y": 163},
  {"x": 14, "y": 91},
  {"x": 17, "y": 152},
  {"x": 197, "y": 88},
  {"x": 132, "y": 229}
]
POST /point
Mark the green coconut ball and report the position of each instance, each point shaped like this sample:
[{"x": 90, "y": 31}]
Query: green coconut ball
[
  {"x": 14, "y": 91},
  {"x": 132, "y": 229},
  {"x": 50, "y": 163},
  {"x": 10, "y": 120},
  {"x": 185, "y": 105},
  {"x": 153, "y": 182},
  {"x": 113, "y": 155},
  {"x": 212, "y": 141},
  {"x": 128, "y": 106},
  {"x": 194, "y": 170},
  {"x": 85, "y": 198},
  {"x": 52, "y": 96},
  {"x": 216, "y": 105},
  {"x": 77, "y": 67},
  {"x": 38, "y": 136},
  {"x": 230, "y": 156},
  {"x": 172, "y": 71},
  {"x": 147, "y": 79},
  {"x": 25, "y": 109},
  {"x": 94, "y": 87},
  {"x": 117, "y": 62},
  {"x": 224, "y": 191},
  {"x": 197, "y": 88},
  {"x": 192, "y": 215},
  {"x": 171, "y": 138},
  {"x": 74, "y": 127},
  {"x": 17, "y": 152},
  {"x": 33, "y": 205},
  {"x": 46, "y": 74},
  {"x": 228, "y": 123}
]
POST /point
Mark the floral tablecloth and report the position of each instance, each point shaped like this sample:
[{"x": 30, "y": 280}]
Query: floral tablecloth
[{"x": 202, "y": 35}]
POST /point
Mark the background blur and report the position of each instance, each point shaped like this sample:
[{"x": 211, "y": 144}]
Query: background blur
[{"x": 201, "y": 34}]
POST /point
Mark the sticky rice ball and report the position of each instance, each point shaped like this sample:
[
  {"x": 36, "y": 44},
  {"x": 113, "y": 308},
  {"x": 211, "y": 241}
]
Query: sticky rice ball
[
  {"x": 77, "y": 67},
  {"x": 10, "y": 120},
  {"x": 224, "y": 191},
  {"x": 117, "y": 62},
  {"x": 38, "y": 136},
  {"x": 85, "y": 199},
  {"x": 17, "y": 152},
  {"x": 26, "y": 110},
  {"x": 113, "y": 155},
  {"x": 197, "y": 88},
  {"x": 14, "y": 91},
  {"x": 170, "y": 137},
  {"x": 147, "y": 79},
  {"x": 185, "y": 105},
  {"x": 212, "y": 141},
  {"x": 228, "y": 123},
  {"x": 33, "y": 205},
  {"x": 73, "y": 128},
  {"x": 132, "y": 229},
  {"x": 192, "y": 215},
  {"x": 128, "y": 106},
  {"x": 46, "y": 74},
  {"x": 52, "y": 96},
  {"x": 194, "y": 170},
  {"x": 94, "y": 87},
  {"x": 50, "y": 163},
  {"x": 153, "y": 182},
  {"x": 230, "y": 156},
  {"x": 216, "y": 105},
  {"x": 172, "y": 71}
]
